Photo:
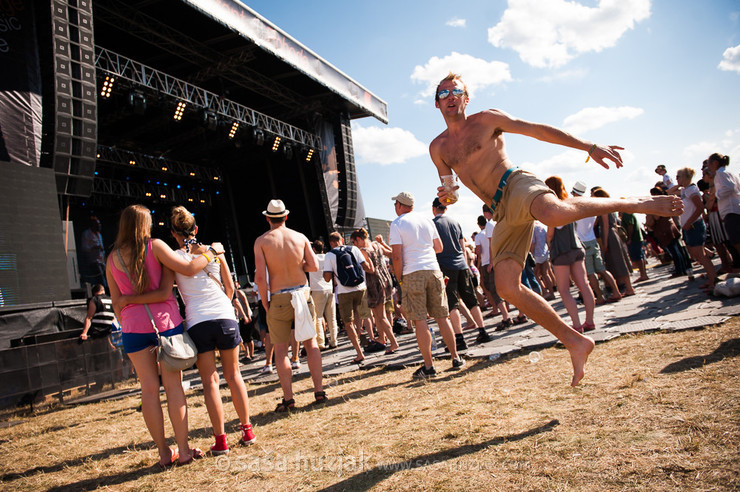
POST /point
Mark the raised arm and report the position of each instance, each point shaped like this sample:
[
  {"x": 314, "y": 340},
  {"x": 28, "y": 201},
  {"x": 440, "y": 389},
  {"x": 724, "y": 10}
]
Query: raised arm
[
  {"x": 387, "y": 250},
  {"x": 168, "y": 258},
  {"x": 546, "y": 133},
  {"x": 160, "y": 294}
]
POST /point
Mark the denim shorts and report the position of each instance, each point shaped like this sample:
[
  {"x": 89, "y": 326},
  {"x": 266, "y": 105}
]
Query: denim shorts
[
  {"x": 135, "y": 342},
  {"x": 695, "y": 234},
  {"x": 215, "y": 333}
]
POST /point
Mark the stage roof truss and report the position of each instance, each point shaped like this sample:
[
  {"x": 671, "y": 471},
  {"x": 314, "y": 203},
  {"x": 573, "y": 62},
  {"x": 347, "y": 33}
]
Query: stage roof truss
[
  {"x": 109, "y": 62},
  {"x": 146, "y": 192},
  {"x": 151, "y": 163}
]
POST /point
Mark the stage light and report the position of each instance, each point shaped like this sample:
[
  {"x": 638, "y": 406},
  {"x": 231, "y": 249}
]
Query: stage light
[
  {"x": 216, "y": 178},
  {"x": 164, "y": 168},
  {"x": 192, "y": 175},
  {"x": 132, "y": 162},
  {"x": 210, "y": 120},
  {"x": 259, "y": 136},
  {"x": 148, "y": 194},
  {"x": 190, "y": 199},
  {"x": 107, "y": 86},
  {"x": 161, "y": 224},
  {"x": 202, "y": 201},
  {"x": 179, "y": 111},
  {"x": 309, "y": 155},
  {"x": 276, "y": 144},
  {"x": 163, "y": 196},
  {"x": 288, "y": 151},
  {"x": 137, "y": 100},
  {"x": 234, "y": 128}
]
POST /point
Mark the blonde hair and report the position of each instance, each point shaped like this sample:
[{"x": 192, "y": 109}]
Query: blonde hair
[
  {"x": 686, "y": 171},
  {"x": 182, "y": 221},
  {"x": 134, "y": 233}
]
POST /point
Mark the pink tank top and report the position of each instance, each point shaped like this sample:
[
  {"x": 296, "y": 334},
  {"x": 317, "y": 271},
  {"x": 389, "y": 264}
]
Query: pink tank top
[{"x": 134, "y": 318}]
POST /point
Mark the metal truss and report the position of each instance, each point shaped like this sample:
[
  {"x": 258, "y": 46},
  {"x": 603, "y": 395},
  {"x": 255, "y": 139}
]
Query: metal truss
[
  {"x": 149, "y": 192},
  {"x": 138, "y": 73},
  {"x": 159, "y": 164}
]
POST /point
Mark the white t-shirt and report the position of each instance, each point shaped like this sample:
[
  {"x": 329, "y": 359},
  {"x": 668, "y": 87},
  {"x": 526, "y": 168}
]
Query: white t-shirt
[
  {"x": 204, "y": 300},
  {"x": 585, "y": 229},
  {"x": 316, "y": 279},
  {"x": 668, "y": 182},
  {"x": 416, "y": 233},
  {"x": 688, "y": 204},
  {"x": 330, "y": 265},
  {"x": 727, "y": 187},
  {"x": 490, "y": 226},
  {"x": 482, "y": 241}
]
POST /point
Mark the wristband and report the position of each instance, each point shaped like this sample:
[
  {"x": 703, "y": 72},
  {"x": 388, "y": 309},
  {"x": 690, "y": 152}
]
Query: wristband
[
  {"x": 206, "y": 257},
  {"x": 593, "y": 147}
]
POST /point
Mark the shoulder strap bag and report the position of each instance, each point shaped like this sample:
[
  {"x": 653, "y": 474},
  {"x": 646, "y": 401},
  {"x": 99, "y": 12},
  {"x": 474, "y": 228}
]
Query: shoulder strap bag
[{"x": 176, "y": 352}]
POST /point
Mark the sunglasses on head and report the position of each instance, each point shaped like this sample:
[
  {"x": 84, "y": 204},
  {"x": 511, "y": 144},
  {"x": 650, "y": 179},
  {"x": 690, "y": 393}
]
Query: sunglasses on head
[{"x": 444, "y": 94}]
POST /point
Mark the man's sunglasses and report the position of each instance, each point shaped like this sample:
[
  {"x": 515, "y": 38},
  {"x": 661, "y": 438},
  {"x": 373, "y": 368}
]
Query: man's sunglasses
[{"x": 444, "y": 94}]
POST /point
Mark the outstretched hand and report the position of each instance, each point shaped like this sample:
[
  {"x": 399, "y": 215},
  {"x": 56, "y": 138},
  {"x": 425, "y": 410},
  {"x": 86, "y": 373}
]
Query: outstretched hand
[{"x": 610, "y": 152}]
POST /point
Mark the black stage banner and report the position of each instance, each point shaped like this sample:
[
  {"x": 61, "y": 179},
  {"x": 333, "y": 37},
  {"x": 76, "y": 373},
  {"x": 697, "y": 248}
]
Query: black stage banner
[{"x": 20, "y": 84}]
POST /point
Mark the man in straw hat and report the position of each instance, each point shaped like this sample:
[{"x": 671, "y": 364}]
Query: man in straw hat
[
  {"x": 473, "y": 146},
  {"x": 282, "y": 257}
]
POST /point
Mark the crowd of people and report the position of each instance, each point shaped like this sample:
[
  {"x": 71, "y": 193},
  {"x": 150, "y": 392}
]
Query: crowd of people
[{"x": 534, "y": 240}]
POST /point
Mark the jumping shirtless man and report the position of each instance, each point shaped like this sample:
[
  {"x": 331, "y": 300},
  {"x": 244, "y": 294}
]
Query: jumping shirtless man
[
  {"x": 473, "y": 146},
  {"x": 285, "y": 256}
]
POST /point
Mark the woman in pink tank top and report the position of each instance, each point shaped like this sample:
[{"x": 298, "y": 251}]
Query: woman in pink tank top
[{"x": 150, "y": 264}]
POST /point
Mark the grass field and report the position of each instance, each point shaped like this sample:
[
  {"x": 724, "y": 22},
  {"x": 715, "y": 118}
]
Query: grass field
[{"x": 658, "y": 411}]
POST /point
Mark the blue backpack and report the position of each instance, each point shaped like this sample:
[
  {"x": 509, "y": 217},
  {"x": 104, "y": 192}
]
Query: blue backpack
[{"x": 349, "y": 270}]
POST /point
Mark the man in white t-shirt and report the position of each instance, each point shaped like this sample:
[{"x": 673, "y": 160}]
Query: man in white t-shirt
[
  {"x": 415, "y": 242},
  {"x": 349, "y": 298},
  {"x": 322, "y": 293},
  {"x": 668, "y": 183},
  {"x": 487, "y": 274}
]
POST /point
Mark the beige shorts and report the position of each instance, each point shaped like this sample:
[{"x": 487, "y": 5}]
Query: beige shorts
[
  {"x": 281, "y": 315},
  {"x": 514, "y": 222},
  {"x": 351, "y": 300},
  {"x": 424, "y": 293}
]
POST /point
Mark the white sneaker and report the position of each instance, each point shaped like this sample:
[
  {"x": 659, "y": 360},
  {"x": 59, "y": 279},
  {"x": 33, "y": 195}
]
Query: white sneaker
[
  {"x": 296, "y": 364},
  {"x": 267, "y": 370}
]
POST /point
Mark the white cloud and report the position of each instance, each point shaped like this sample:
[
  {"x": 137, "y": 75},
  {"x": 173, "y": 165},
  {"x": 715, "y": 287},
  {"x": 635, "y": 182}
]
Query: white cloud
[
  {"x": 592, "y": 118},
  {"x": 476, "y": 72},
  {"x": 455, "y": 22},
  {"x": 550, "y": 33},
  {"x": 728, "y": 144},
  {"x": 385, "y": 146},
  {"x": 731, "y": 59}
]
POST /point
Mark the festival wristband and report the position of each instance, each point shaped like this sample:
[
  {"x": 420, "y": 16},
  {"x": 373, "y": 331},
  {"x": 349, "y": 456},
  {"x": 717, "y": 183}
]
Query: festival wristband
[
  {"x": 593, "y": 147},
  {"x": 206, "y": 257}
]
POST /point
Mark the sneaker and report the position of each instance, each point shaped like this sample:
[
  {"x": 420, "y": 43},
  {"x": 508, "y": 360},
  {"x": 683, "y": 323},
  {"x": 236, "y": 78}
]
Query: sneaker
[
  {"x": 248, "y": 436},
  {"x": 482, "y": 337},
  {"x": 267, "y": 370},
  {"x": 424, "y": 373},
  {"x": 295, "y": 364},
  {"x": 460, "y": 343},
  {"x": 458, "y": 363},
  {"x": 221, "y": 447}
]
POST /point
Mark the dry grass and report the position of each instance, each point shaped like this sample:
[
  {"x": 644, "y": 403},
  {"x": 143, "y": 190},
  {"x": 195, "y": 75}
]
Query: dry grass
[{"x": 655, "y": 412}]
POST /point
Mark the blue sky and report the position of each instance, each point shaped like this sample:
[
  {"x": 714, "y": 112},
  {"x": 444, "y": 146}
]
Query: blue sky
[{"x": 660, "y": 78}]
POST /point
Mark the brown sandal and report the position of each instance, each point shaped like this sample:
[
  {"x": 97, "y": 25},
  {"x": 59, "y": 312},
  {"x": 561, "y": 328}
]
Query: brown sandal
[{"x": 285, "y": 406}]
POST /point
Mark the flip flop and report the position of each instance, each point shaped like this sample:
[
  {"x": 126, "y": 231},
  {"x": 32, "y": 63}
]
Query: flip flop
[
  {"x": 174, "y": 456},
  {"x": 357, "y": 360},
  {"x": 195, "y": 454},
  {"x": 389, "y": 351}
]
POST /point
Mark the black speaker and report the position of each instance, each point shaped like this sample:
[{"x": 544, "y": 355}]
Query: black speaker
[
  {"x": 75, "y": 97},
  {"x": 347, "y": 210}
]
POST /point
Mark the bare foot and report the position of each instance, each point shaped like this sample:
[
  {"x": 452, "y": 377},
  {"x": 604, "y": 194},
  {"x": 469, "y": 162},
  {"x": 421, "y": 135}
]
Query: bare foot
[
  {"x": 665, "y": 205},
  {"x": 579, "y": 353}
]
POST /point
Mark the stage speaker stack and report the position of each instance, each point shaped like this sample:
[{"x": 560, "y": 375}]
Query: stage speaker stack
[
  {"x": 347, "y": 211},
  {"x": 75, "y": 95}
]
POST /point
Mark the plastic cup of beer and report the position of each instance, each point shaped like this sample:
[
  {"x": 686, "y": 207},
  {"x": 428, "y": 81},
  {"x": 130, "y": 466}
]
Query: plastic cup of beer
[{"x": 449, "y": 183}]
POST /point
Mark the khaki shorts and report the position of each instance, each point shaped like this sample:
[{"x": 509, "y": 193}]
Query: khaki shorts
[
  {"x": 351, "y": 300},
  {"x": 281, "y": 315},
  {"x": 514, "y": 222},
  {"x": 424, "y": 293}
]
